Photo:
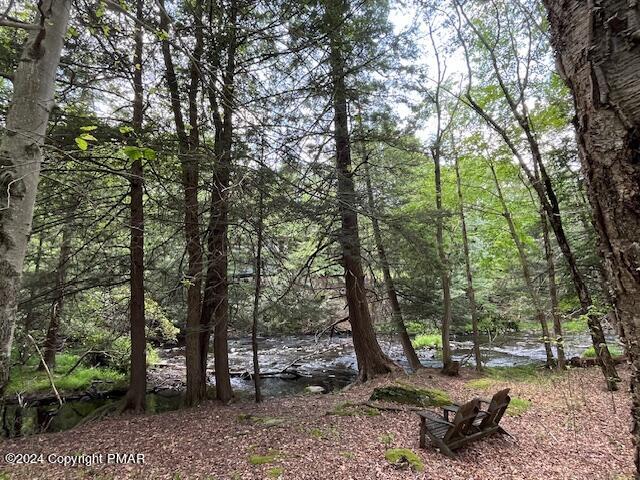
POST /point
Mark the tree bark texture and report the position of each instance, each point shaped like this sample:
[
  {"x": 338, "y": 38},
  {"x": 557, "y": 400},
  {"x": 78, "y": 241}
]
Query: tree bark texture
[
  {"x": 371, "y": 359},
  {"x": 135, "y": 398},
  {"x": 215, "y": 304},
  {"x": 598, "y": 52},
  {"x": 188, "y": 152},
  {"x": 21, "y": 158}
]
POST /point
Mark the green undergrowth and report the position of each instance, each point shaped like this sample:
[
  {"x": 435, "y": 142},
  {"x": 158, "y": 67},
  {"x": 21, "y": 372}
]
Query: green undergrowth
[
  {"x": 275, "y": 472},
  {"x": 404, "y": 457},
  {"x": 590, "y": 352},
  {"x": 261, "y": 420},
  {"x": 429, "y": 340},
  {"x": 269, "y": 457},
  {"x": 26, "y": 379},
  {"x": 518, "y": 406},
  {"x": 531, "y": 373},
  {"x": 481, "y": 383}
]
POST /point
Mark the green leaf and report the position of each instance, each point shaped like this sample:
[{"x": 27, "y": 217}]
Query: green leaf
[
  {"x": 134, "y": 153},
  {"x": 126, "y": 129},
  {"x": 88, "y": 128},
  {"x": 82, "y": 143},
  {"x": 88, "y": 136},
  {"x": 149, "y": 153}
]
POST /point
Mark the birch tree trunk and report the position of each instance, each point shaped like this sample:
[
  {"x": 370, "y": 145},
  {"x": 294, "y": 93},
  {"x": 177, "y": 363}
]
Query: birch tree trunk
[
  {"x": 598, "y": 53},
  {"x": 21, "y": 157}
]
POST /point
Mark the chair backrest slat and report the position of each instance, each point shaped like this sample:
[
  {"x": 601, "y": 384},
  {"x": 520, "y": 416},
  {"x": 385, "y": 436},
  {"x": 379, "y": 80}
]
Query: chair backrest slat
[
  {"x": 498, "y": 405},
  {"x": 463, "y": 421}
]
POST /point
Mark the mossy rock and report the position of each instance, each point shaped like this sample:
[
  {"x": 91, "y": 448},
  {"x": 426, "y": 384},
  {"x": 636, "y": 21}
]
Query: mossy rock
[
  {"x": 411, "y": 395},
  {"x": 403, "y": 457}
]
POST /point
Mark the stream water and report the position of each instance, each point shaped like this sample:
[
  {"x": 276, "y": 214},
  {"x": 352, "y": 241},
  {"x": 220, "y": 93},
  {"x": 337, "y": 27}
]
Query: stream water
[{"x": 295, "y": 362}]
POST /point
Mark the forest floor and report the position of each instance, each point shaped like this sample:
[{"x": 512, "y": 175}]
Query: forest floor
[{"x": 565, "y": 426}]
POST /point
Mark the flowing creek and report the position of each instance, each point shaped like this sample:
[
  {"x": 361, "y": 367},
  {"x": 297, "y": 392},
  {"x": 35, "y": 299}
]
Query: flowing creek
[{"x": 292, "y": 363}]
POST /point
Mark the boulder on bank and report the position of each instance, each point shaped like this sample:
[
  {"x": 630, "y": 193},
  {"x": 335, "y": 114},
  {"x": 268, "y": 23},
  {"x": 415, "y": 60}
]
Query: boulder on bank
[{"x": 411, "y": 395}]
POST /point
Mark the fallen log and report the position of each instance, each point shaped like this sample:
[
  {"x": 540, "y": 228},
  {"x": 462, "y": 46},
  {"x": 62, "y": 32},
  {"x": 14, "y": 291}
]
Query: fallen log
[{"x": 580, "y": 362}]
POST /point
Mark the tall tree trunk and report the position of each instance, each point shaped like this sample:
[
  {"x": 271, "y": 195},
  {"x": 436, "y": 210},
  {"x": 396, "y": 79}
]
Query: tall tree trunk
[
  {"x": 371, "y": 359},
  {"x": 597, "y": 52},
  {"x": 526, "y": 271},
  {"x": 553, "y": 292},
  {"x": 21, "y": 158},
  {"x": 396, "y": 311},
  {"x": 135, "y": 398},
  {"x": 51, "y": 340},
  {"x": 445, "y": 274},
  {"x": 471, "y": 294},
  {"x": 215, "y": 305},
  {"x": 188, "y": 146},
  {"x": 257, "y": 271},
  {"x": 548, "y": 200}
]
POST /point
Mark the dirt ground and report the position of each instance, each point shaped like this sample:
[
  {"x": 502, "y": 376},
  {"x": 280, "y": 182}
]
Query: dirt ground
[{"x": 573, "y": 429}]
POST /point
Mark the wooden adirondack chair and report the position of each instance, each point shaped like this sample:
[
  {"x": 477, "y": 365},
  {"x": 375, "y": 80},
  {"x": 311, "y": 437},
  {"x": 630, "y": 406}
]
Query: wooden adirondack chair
[
  {"x": 488, "y": 420},
  {"x": 448, "y": 436}
]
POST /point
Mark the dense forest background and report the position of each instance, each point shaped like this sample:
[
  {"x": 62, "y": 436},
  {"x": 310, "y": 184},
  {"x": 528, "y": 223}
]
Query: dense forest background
[{"x": 213, "y": 128}]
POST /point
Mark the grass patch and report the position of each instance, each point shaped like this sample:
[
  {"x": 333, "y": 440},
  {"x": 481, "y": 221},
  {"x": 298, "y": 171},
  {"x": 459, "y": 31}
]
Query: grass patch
[
  {"x": 481, "y": 383},
  {"x": 531, "y": 373},
  {"x": 275, "y": 472},
  {"x": 403, "y": 457},
  {"x": 577, "y": 325},
  {"x": 347, "y": 455},
  {"x": 269, "y": 457},
  {"x": 409, "y": 394},
  {"x": 27, "y": 379},
  {"x": 430, "y": 340},
  {"x": 590, "y": 352},
  {"x": 350, "y": 409},
  {"x": 518, "y": 406},
  {"x": 261, "y": 420}
]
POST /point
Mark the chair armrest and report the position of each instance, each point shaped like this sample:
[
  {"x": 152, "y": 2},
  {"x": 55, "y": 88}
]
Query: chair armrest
[
  {"x": 435, "y": 418},
  {"x": 442, "y": 421},
  {"x": 446, "y": 409}
]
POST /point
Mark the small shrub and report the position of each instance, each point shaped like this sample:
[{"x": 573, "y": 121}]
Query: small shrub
[{"x": 403, "y": 457}]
